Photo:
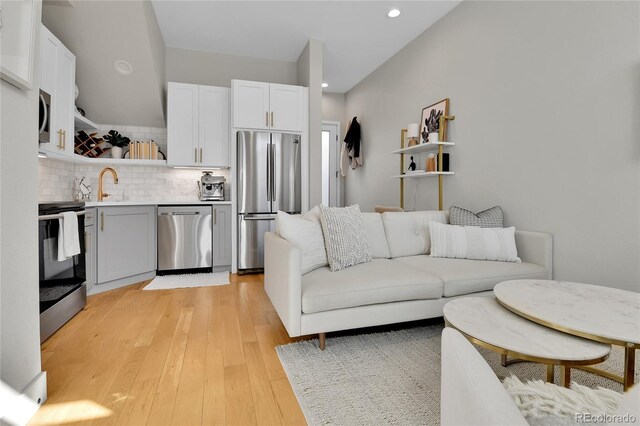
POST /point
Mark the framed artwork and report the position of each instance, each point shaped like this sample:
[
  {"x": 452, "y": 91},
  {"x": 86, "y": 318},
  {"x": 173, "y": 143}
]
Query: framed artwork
[
  {"x": 430, "y": 120},
  {"x": 20, "y": 19}
]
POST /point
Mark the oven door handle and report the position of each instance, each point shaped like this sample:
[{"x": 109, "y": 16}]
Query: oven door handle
[
  {"x": 57, "y": 216},
  {"x": 46, "y": 113}
]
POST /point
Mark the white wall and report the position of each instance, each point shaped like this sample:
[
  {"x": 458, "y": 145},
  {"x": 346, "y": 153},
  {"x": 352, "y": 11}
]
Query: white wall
[
  {"x": 19, "y": 305},
  {"x": 101, "y": 32},
  {"x": 310, "y": 75},
  {"x": 546, "y": 102},
  {"x": 334, "y": 109},
  {"x": 216, "y": 69}
]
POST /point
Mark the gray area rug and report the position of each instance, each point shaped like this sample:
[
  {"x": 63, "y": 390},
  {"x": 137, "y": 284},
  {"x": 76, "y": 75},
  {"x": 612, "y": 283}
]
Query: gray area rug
[{"x": 393, "y": 377}]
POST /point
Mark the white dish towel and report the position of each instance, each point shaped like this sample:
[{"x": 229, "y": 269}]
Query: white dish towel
[{"x": 68, "y": 237}]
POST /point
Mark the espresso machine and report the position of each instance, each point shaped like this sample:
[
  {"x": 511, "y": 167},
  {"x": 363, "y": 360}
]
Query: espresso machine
[{"x": 211, "y": 188}]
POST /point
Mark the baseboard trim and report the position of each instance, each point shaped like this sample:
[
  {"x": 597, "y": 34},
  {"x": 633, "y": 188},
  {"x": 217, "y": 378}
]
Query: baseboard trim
[
  {"x": 123, "y": 282},
  {"x": 20, "y": 408},
  {"x": 37, "y": 389}
]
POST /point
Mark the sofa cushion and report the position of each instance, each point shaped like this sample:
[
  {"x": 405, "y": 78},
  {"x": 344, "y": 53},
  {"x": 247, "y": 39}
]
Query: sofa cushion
[
  {"x": 489, "y": 218},
  {"x": 377, "y": 238},
  {"x": 408, "y": 232},
  {"x": 464, "y": 276},
  {"x": 378, "y": 281},
  {"x": 345, "y": 236},
  {"x": 473, "y": 242}
]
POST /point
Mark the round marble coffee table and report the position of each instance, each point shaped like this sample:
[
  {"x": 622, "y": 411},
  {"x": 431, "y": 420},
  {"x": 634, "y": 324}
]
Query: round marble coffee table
[
  {"x": 601, "y": 314},
  {"x": 484, "y": 322}
]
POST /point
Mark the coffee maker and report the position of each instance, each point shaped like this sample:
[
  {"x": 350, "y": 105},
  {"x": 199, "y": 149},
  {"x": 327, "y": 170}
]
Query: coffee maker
[{"x": 211, "y": 188}]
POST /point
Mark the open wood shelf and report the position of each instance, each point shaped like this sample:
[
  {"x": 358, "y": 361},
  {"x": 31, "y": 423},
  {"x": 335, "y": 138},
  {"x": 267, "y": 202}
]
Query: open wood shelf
[
  {"x": 421, "y": 174},
  {"x": 416, "y": 149}
]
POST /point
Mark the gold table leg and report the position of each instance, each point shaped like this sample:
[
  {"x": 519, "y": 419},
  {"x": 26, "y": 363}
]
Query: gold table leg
[
  {"x": 629, "y": 366},
  {"x": 503, "y": 360},
  {"x": 550, "y": 373},
  {"x": 565, "y": 373}
]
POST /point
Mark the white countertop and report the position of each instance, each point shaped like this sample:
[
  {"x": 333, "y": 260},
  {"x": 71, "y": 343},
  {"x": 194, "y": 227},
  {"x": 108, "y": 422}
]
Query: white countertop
[{"x": 151, "y": 203}]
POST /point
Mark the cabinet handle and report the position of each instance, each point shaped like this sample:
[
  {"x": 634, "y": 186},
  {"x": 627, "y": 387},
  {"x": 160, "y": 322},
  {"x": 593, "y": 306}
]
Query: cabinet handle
[
  {"x": 60, "y": 139},
  {"x": 271, "y": 118},
  {"x": 215, "y": 216},
  {"x": 266, "y": 116},
  {"x": 195, "y": 155},
  {"x": 200, "y": 155},
  {"x": 64, "y": 139},
  {"x": 101, "y": 221}
]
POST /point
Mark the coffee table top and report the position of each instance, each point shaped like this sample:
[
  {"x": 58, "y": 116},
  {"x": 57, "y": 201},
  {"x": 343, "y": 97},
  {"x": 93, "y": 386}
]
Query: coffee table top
[
  {"x": 598, "y": 313},
  {"x": 489, "y": 324}
]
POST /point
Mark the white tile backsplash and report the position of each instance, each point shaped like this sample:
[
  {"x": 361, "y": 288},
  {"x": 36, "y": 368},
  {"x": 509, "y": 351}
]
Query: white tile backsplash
[{"x": 136, "y": 183}]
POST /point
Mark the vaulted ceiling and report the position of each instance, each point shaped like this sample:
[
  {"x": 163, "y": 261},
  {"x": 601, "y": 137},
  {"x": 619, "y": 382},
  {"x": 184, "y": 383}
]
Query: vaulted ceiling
[{"x": 358, "y": 36}]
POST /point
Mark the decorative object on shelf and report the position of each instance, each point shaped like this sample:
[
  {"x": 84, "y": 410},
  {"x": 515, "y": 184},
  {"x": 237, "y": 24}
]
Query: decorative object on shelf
[
  {"x": 88, "y": 145},
  {"x": 430, "y": 120},
  {"x": 129, "y": 152},
  {"x": 412, "y": 134},
  {"x": 117, "y": 141},
  {"x": 445, "y": 162},
  {"x": 431, "y": 162},
  {"x": 143, "y": 150},
  {"x": 433, "y": 137},
  {"x": 82, "y": 189},
  {"x": 412, "y": 165}
]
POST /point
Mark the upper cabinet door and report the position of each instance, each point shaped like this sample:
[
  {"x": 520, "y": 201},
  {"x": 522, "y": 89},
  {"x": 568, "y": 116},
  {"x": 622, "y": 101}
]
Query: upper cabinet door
[
  {"x": 250, "y": 105},
  {"x": 64, "y": 105},
  {"x": 182, "y": 125},
  {"x": 214, "y": 126},
  {"x": 287, "y": 107},
  {"x": 48, "y": 61}
]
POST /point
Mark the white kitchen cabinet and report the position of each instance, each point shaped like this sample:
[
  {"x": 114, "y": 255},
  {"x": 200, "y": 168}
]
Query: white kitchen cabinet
[
  {"x": 213, "y": 124},
  {"x": 250, "y": 104},
  {"x": 126, "y": 242},
  {"x": 287, "y": 107},
  {"x": 197, "y": 125},
  {"x": 268, "y": 106},
  {"x": 57, "y": 77},
  {"x": 221, "y": 237}
]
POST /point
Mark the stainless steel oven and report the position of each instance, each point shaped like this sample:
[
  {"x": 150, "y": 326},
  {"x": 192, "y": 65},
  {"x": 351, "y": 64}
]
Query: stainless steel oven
[
  {"x": 62, "y": 283},
  {"x": 44, "y": 117}
]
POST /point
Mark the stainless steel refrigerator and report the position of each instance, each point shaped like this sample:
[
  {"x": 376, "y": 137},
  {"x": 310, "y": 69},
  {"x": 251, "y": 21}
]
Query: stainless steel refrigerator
[{"x": 269, "y": 180}]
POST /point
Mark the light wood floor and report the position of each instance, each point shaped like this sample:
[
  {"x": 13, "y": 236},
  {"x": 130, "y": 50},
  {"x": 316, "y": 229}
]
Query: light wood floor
[{"x": 189, "y": 356}]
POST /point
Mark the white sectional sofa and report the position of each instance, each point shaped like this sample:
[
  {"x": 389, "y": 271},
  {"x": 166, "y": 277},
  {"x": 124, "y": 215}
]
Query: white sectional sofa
[{"x": 401, "y": 283}]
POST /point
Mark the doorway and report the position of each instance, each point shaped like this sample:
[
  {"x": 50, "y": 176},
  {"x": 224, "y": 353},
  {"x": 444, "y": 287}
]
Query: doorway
[{"x": 331, "y": 180}]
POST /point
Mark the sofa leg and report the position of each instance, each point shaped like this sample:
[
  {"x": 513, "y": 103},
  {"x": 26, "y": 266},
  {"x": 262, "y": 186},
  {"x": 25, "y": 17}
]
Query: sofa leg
[{"x": 321, "y": 338}]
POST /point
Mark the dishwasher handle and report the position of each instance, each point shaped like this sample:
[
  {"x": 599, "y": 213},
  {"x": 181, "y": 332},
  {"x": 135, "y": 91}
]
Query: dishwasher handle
[{"x": 181, "y": 213}]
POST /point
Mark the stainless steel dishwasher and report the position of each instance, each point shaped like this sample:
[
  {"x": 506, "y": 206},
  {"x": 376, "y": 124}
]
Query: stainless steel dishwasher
[{"x": 184, "y": 239}]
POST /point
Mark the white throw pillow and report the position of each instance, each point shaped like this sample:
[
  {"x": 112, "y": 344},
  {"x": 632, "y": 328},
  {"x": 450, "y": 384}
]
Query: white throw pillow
[
  {"x": 305, "y": 232},
  {"x": 345, "y": 236},
  {"x": 472, "y": 242}
]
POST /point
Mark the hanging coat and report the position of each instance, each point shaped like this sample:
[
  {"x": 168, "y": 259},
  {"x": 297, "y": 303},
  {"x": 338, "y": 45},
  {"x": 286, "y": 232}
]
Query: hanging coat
[{"x": 351, "y": 151}]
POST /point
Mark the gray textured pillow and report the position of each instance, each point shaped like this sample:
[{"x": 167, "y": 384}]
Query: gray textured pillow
[
  {"x": 345, "y": 236},
  {"x": 490, "y": 218}
]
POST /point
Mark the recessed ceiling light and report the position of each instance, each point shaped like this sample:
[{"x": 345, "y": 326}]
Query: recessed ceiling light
[
  {"x": 123, "y": 67},
  {"x": 393, "y": 13},
  {"x": 325, "y": 85}
]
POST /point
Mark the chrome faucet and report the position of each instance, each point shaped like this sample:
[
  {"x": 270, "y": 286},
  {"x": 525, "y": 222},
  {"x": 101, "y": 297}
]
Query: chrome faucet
[{"x": 101, "y": 193}]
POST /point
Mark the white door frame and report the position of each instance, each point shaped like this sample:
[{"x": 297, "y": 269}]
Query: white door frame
[{"x": 336, "y": 181}]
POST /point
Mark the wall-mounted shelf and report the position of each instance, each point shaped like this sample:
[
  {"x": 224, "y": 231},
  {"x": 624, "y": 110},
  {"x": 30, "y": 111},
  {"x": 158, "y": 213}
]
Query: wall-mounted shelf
[
  {"x": 424, "y": 147},
  {"x": 421, "y": 174},
  {"x": 83, "y": 123},
  {"x": 119, "y": 161}
]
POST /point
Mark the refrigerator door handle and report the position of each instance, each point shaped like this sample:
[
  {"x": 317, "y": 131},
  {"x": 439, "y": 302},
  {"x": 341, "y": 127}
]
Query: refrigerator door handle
[
  {"x": 268, "y": 179},
  {"x": 259, "y": 218},
  {"x": 273, "y": 172}
]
